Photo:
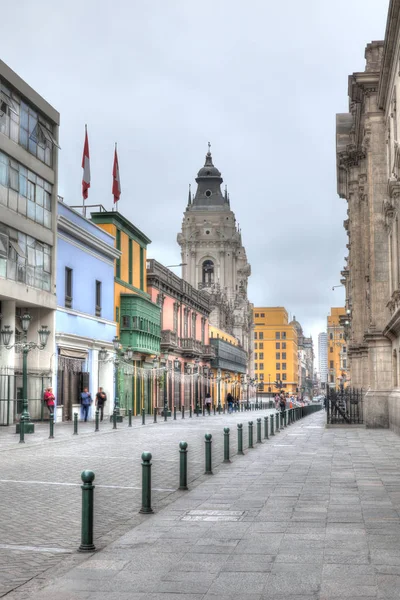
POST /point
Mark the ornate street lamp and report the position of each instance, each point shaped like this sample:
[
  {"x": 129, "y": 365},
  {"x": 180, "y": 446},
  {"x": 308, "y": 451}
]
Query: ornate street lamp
[
  {"x": 25, "y": 347},
  {"x": 117, "y": 359},
  {"x": 196, "y": 383},
  {"x": 219, "y": 389}
]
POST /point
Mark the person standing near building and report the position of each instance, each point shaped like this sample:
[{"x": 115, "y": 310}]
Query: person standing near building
[
  {"x": 208, "y": 402},
  {"x": 86, "y": 401},
  {"x": 49, "y": 399},
  {"x": 101, "y": 399}
]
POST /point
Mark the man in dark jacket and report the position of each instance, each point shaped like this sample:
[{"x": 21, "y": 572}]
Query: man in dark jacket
[{"x": 101, "y": 399}]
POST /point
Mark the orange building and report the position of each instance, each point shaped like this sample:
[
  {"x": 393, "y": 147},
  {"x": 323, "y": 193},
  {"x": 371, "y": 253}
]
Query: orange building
[{"x": 337, "y": 348}]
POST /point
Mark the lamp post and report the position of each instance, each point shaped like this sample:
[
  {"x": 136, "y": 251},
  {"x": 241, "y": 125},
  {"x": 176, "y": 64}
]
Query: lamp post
[
  {"x": 25, "y": 347},
  {"x": 177, "y": 369},
  {"x": 165, "y": 386},
  {"x": 188, "y": 369},
  {"x": 117, "y": 359},
  {"x": 219, "y": 389},
  {"x": 155, "y": 366},
  {"x": 196, "y": 383}
]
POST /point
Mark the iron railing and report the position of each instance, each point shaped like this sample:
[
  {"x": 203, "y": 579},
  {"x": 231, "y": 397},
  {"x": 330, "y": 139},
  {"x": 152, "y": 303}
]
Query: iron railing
[{"x": 345, "y": 406}]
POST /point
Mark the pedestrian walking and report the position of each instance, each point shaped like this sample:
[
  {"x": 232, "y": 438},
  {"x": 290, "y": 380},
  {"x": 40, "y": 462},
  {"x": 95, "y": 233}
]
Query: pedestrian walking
[
  {"x": 229, "y": 400},
  {"x": 101, "y": 399},
  {"x": 282, "y": 403},
  {"x": 208, "y": 402},
  {"x": 48, "y": 399},
  {"x": 86, "y": 401}
]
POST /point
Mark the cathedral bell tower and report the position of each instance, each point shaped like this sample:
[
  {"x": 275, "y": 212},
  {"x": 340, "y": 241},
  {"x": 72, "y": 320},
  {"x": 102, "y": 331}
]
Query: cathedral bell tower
[{"x": 213, "y": 256}]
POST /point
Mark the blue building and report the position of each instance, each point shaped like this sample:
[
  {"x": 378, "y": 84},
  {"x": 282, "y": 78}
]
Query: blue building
[{"x": 85, "y": 310}]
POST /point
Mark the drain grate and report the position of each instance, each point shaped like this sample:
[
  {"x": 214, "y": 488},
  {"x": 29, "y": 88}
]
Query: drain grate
[{"x": 213, "y": 515}]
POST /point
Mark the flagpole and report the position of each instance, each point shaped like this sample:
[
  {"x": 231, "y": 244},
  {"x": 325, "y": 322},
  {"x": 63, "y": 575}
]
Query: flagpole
[
  {"x": 116, "y": 204},
  {"x": 84, "y": 206}
]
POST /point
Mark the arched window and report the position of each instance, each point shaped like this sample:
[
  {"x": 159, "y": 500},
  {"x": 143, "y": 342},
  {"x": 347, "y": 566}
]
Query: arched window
[{"x": 208, "y": 272}]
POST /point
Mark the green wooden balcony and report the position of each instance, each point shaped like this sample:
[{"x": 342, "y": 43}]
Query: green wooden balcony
[{"x": 140, "y": 324}]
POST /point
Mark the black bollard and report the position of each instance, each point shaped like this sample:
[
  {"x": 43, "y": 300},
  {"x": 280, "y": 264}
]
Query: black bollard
[
  {"x": 226, "y": 445},
  {"x": 155, "y": 414},
  {"x": 51, "y": 423},
  {"x": 251, "y": 434},
  {"x": 277, "y": 422},
  {"x": 259, "y": 431},
  {"x": 190, "y": 411},
  {"x": 143, "y": 416},
  {"x": 22, "y": 430},
  {"x": 272, "y": 425},
  {"x": 240, "y": 438},
  {"x": 87, "y": 512},
  {"x": 208, "y": 465},
  {"x": 214, "y": 410},
  {"x": 114, "y": 418},
  {"x": 75, "y": 423},
  {"x": 265, "y": 428},
  {"x": 146, "y": 483},
  {"x": 183, "y": 411},
  {"x": 183, "y": 465},
  {"x": 130, "y": 417},
  {"x": 174, "y": 413},
  {"x": 96, "y": 420}
]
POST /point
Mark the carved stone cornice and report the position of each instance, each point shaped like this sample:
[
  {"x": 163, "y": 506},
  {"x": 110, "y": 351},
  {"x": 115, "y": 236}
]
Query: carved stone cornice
[
  {"x": 394, "y": 303},
  {"x": 346, "y": 224},
  {"x": 394, "y": 188},
  {"x": 388, "y": 210},
  {"x": 351, "y": 157}
]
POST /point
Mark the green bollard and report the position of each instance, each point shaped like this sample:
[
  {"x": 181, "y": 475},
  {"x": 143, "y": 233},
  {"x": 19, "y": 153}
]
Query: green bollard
[
  {"x": 265, "y": 428},
  {"x": 51, "y": 423},
  {"x": 251, "y": 434},
  {"x": 146, "y": 483},
  {"x": 114, "y": 418},
  {"x": 75, "y": 423},
  {"x": 174, "y": 413},
  {"x": 277, "y": 422},
  {"x": 240, "y": 438},
  {"x": 285, "y": 418},
  {"x": 96, "y": 420},
  {"x": 214, "y": 410},
  {"x": 226, "y": 445},
  {"x": 208, "y": 442},
  {"x": 219, "y": 409},
  {"x": 183, "y": 411},
  {"x": 22, "y": 430},
  {"x": 154, "y": 415},
  {"x": 281, "y": 419},
  {"x": 143, "y": 416},
  {"x": 183, "y": 465},
  {"x": 259, "y": 431},
  {"x": 272, "y": 425},
  {"x": 130, "y": 417},
  {"x": 87, "y": 512},
  {"x": 190, "y": 411}
]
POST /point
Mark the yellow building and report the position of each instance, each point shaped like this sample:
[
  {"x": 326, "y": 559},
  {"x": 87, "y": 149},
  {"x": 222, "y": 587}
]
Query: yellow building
[
  {"x": 275, "y": 350},
  {"x": 228, "y": 368},
  {"x": 337, "y": 348}
]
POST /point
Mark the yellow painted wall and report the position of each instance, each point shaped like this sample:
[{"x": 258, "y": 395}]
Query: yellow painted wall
[
  {"x": 124, "y": 266},
  {"x": 214, "y": 332},
  {"x": 336, "y": 343},
  {"x": 267, "y": 322}
]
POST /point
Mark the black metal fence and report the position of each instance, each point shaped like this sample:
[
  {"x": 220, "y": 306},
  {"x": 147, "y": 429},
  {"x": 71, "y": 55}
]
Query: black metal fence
[{"x": 345, "y": 407}]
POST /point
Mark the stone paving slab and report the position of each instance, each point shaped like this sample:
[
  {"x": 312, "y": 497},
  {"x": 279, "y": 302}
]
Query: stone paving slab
[
  {"x": 40, "y": 483},
  {"x": 328, "y": 532}
]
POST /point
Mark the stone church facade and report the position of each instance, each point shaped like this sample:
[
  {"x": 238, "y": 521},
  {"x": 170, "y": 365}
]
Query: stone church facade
[
  {"x": 368, "y": 177},
  {"x": 214, "y": 258}
]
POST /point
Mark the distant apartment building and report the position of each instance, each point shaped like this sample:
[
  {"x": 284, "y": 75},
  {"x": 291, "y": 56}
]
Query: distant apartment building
[
  {"x": 337, "y": 348},
  {"x": 28, "y": 232},
  {"x": 276, "y": 350},
  {"x": 323, "y": 356}
]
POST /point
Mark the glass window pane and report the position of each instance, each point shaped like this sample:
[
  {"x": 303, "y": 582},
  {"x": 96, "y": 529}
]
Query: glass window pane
[
  {"x": 22, "y": 205},
  {"x": 48, "y": 187},
  {"x": 22, "y": 184},
  {"x": 3, "y": 267},
  {"x": 3, "y": 158},
  {"x": 23, "y": 138},
  {"x": 5, "y": 124},
  {"x": 31, "y": 191},
  {"x": 39, "y": 195},
  {"x": 31, "y": 176},
  {"x": 3, "y": 174},
  {"x": 47, "y": 200},
  {"x": 39, "y": 214},
  {"x": 39, "y": 181},
  {"x": 24, "y": 116},
  {"x": 13, "y": 200},
  {"x": 14, "y": 131},
  {"x": 46, "y": 282},
  {"x": 14, "y": 183},
  {"x": 31, "y": 210},
  {"x": 30, "y": 275},
  {"x": 32, "y": 146},
  {"x": 48, "y": 156},
  {"x": 40, "y": 153},
  {"x": 31, "y": 256},
  {"x": 22, "y": 241},
  {"x": 47, "y": 219},
  {"x": 11, "y": 270},
  {"x": 32, "y": 123},
  {"x": 46, "y": 263},
  {"x": 3, "y": 195}
]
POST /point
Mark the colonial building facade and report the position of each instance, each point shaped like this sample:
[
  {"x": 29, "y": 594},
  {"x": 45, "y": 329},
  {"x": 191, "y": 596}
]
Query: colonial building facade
[
  {"x": 214, "y": 258},
  {"x": 368, "y": 169}
]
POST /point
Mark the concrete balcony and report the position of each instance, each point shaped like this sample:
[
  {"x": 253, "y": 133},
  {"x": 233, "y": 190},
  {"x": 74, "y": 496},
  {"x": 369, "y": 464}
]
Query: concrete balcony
[
  {"x": 208, "y": 352},
  {"x": 169, "y": 340}
]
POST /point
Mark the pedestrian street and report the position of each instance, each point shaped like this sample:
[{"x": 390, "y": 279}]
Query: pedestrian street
[{"x": 40, "y": 482}]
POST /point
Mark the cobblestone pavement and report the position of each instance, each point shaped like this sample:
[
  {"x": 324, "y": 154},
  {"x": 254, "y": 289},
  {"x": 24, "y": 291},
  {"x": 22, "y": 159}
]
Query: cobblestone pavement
[
  {"x": 40, "y": 483},
  {"x": 311, "y": 514}
]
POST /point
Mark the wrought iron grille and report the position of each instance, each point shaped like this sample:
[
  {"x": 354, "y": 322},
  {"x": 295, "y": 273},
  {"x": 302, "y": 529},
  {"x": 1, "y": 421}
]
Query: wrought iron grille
[{"x": 345, "y": 407}]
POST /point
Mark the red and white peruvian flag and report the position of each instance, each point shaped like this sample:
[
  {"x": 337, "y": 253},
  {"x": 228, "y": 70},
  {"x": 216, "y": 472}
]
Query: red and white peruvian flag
[
  {"x": 116, "y": 186},
  {"x": 86, "y": 167}
]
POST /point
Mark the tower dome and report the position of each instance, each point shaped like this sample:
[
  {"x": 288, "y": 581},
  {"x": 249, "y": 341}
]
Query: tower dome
[{"x": 209, "y": 181}]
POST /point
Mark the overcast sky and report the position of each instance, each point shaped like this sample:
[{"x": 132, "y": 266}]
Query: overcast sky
[{"x": 261, "y": 80}]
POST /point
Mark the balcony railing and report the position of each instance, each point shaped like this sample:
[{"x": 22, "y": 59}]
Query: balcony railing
[
  {"x": 209, "y": 352},
  {"x": 191, "y": 346}
]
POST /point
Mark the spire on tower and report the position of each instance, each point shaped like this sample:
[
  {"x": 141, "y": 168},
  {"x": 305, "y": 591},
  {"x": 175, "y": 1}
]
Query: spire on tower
[
  {"x": 226, "y": 194},
  {"x": 229, "y": 200},
  {"x": 190, "y": 195}
]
